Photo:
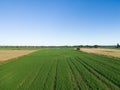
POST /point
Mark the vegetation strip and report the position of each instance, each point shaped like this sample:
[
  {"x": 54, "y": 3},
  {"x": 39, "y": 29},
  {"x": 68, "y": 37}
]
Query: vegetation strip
[
  {"x": 48, "y": 75},
  {"x": 23, "y": 81},
  {"x": 99, "y": 76},
  {"x": 106, "y": 64},
  {"x": 36, "y": 76},
  {"x": 110, "y": 85},
  {"x": 55, "y": 79},
  {"x": 102, "y": 72},
  {"x": 82, "y": 75},
  {"x": 74, "y": 79}
]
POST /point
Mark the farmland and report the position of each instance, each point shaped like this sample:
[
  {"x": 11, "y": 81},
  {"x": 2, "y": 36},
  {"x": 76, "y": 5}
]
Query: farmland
[
  {"x": 103, "y": 51},
  {"x": 10, "y": 54},
  {"x": 61, "y": 69}
]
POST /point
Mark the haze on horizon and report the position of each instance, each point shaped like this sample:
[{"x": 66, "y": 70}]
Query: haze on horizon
[{"x": 59, "y": 22}]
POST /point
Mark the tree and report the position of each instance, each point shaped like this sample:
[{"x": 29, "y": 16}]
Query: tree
[
  {"x": 95, "y": 46},
  {"x": 78, "y": 48},
  {"x": 118, "y": 45}
]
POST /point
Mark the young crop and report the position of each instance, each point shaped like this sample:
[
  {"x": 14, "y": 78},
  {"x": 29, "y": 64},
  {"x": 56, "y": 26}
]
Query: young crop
[{"x": 60, "y": 69}]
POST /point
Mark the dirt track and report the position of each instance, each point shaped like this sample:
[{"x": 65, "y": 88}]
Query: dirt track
[
  {"x": 10, "y": 54},
  {"x": 102, "y": 51}
]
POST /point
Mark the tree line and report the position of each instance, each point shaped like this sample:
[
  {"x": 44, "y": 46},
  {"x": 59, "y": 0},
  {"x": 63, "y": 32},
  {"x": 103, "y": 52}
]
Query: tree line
[{"x": 66, "y": 46}]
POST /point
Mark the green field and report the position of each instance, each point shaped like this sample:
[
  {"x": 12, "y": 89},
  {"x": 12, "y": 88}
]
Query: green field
[{"x": 60, "y": 69}]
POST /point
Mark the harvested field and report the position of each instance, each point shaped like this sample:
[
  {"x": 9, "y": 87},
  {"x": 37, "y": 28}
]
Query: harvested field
[
  {"x": 102, "y": 51},
  {"x": 10, "y": 54}
]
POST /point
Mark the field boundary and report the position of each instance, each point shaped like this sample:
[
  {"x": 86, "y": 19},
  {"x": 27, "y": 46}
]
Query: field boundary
[{"x": 13, "y": 59}]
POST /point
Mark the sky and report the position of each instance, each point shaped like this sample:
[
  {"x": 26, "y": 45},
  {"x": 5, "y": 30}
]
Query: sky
[{"x": 59, "y": 22}]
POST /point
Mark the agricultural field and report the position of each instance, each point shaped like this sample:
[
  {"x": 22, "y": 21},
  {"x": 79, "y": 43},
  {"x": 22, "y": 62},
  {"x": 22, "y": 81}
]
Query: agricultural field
[
  {"x": 61, "y": 69},
  {"x": 10, "y": 54},
  {"x": 103, "y": 51}
]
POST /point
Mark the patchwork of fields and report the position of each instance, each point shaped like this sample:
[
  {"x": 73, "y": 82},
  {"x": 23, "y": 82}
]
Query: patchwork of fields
[{"x": 61, "y": 69}]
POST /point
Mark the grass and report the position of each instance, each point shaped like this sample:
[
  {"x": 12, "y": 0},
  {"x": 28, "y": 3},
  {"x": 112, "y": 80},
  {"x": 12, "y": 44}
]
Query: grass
[{"x": 61, "y": 69}]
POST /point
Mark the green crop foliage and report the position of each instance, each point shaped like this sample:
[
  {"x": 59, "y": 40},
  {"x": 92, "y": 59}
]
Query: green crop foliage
[{"x": 60, "y": 69}]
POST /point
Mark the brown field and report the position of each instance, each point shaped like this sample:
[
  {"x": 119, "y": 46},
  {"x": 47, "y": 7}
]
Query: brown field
[
  {"x": 10, "y": 54},
  {"x": 102, "y": 51}
]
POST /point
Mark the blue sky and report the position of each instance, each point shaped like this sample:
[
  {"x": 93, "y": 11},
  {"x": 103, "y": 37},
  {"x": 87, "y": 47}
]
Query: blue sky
[{"x": 59, "y": 22}]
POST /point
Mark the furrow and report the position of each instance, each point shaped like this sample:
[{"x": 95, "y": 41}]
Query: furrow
[
  {"x": 23, "y": 81},
  {"x": 74, "y": 79},
  {"x": 106, "y": 64},
  {"x": 48, "y": 74},
  {"x": 55, "y": 79},
  {"x": 36, "y": 76},
  {"x": 96, "y": 74},
  {"x": 81, "y": 74},
  {"x": 99, "y": 75}
]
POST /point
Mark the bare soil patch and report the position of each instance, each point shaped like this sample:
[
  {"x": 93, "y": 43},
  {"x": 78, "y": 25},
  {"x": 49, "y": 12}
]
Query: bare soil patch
[
  {"x": 10, "y": 54},
  {"x": 102, "y": 51}
]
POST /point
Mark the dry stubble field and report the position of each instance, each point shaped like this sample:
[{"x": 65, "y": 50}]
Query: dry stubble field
[
  {"x": 10, "y": 54},
  {"x": 102, "y": 51}
]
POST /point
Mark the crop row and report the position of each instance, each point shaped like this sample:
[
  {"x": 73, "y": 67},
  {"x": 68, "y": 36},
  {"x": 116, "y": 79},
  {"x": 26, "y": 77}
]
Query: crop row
[{"x": 61, "y": 69}]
